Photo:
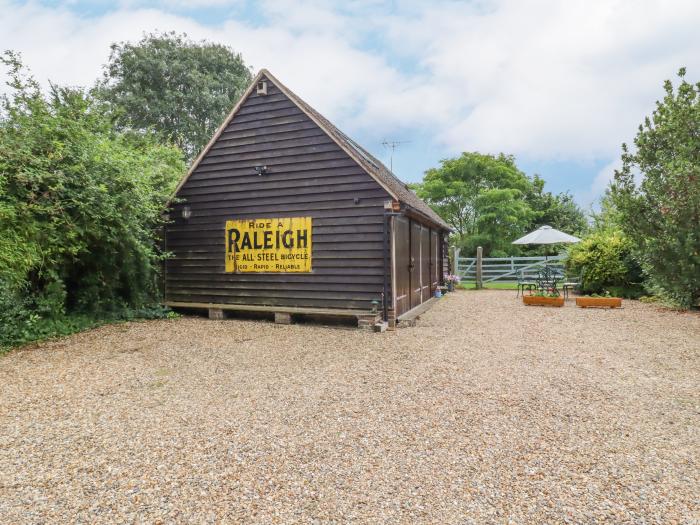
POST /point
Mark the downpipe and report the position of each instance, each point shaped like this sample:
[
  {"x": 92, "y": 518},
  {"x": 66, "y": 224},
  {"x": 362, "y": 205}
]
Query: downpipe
[{"x": 385, "y": 230}]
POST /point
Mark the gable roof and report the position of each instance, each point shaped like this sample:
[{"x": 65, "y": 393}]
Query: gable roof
[{"x": 385, "y": 178}]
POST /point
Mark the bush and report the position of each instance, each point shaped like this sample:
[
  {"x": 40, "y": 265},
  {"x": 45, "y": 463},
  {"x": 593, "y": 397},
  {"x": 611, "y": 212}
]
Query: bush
[
  {"x": 16, "y": 316},
  {"x": 24, "y": 319},
  {"x": 604, "y": 261},
  {"x": 80, "y": 205},
  {"x": 659, "y": 210}
]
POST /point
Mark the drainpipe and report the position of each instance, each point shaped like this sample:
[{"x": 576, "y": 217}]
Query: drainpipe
[{"x": 385, "y": 232}]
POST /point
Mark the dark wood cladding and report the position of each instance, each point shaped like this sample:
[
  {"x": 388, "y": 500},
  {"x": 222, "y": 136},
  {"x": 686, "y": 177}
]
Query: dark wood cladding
[{"x": 308, "y": 175}]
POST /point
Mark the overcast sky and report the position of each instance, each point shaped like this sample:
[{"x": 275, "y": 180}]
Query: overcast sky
[{"x": 559, "y": 84}]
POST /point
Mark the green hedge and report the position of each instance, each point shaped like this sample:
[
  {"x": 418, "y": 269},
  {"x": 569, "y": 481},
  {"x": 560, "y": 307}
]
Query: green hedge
[
  {"x": 605, "y": 263},
  {"x": 80, "y": 207}
]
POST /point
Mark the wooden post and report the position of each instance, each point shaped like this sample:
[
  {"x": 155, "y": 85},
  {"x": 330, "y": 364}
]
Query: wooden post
[
  {"x": 479, "y": 277},
  {"x": 283, "y": 318},
  {"x": 216, "y": 314},
  {"x": 455, "y": 260}
]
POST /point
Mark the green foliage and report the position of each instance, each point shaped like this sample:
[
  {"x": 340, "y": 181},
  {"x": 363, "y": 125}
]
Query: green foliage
[
  {"x": 604, "y": 261},
  {"x": 80, "y": 205},
  {"x": 180, "y": 88},
  {"x": 661, "y": 214},
  {"x": 544, "y": 293},
  {"x": 558, "y": 211},
  {"x": 489, "y": 202},
  {"x": 502, "y": 216},
  {"x": 22, "y": 319},
  {"x": 453, "y": 188},
  {"x": 21, "y": 323}
]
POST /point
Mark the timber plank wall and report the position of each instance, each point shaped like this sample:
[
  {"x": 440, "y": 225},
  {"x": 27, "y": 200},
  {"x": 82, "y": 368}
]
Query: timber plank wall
[{"x": 308, "y": 175}]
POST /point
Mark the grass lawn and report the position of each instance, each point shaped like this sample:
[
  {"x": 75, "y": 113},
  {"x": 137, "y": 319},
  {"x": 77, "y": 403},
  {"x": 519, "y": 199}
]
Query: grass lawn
[{"x": 490, "y": 286}]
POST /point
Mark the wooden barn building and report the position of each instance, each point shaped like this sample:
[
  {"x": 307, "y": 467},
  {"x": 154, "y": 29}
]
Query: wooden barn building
[{"x": 284, "y": 213}]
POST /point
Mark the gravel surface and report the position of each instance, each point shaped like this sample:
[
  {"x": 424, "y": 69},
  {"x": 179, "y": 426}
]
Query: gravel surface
[{"x": 487, "y": 411}]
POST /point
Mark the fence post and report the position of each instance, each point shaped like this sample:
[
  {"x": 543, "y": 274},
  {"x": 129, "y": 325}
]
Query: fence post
[
  {"x": 455, "y": 260},
  {"x": 479, "y": 258}
]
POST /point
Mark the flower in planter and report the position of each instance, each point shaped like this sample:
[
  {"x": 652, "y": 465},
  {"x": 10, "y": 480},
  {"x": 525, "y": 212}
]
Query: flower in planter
[{"x": 452, "y": 280}]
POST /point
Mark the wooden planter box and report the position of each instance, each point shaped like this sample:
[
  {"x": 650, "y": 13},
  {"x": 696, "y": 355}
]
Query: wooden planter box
[
  {"x": 599, "y": 302},
  {"x": 543, "y": 301}
]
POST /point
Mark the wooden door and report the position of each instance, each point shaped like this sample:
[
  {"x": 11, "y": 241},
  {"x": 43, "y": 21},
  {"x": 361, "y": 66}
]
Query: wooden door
[
  {"x": 425, "y": 263},
  {"x": 435, "y": 261},
  {"x": 414, "y": 264},
  {"x": 402, "y": 254}
]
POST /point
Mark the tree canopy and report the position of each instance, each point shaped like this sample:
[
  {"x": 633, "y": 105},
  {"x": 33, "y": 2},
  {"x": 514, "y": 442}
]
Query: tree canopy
[
  {"x": 490, "y": 202},
  {"x": 180, "y": 88},
  {"x": 656, "y": 194}
]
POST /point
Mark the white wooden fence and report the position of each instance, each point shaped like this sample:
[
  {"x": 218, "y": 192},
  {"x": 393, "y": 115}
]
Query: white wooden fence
[{"x": 504, "y": 269}]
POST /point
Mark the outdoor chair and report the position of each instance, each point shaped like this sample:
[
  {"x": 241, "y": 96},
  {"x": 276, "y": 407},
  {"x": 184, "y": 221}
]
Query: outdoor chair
[
  {"x": 525, "y": 284},
  {"x": 571, "y": 284}
]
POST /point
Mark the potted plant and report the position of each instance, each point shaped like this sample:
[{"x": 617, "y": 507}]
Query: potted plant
[
  {"x": 599, "y": 301},
  {"x": 452, "y": 280},
  {"x": 544, "y": 298}
]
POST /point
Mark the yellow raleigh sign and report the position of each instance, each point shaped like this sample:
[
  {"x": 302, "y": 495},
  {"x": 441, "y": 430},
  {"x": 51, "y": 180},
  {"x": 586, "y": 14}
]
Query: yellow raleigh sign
[{"x": 269, "y": 245}]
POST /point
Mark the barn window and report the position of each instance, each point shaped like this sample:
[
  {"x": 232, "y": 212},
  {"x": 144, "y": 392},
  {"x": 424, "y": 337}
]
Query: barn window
[{"x": 262, "y": 87}]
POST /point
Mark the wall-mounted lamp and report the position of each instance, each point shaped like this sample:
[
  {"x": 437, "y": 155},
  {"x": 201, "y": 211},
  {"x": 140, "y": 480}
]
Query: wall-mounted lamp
[
  {"x": 261, "y": 170},
  {"x": 186, "y": 212},
  {"x": 356, "y": 200}
]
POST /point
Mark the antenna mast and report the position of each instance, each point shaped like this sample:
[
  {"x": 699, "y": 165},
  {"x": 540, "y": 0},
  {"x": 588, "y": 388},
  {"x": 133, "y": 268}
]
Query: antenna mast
[{"x": 393, "y": 144}]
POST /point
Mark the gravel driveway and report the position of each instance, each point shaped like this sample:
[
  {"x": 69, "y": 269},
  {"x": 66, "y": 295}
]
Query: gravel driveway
[{"x": 486, "y": 412}]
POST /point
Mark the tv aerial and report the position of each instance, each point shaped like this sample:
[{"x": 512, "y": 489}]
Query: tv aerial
[{"x": 392, "y": 145}]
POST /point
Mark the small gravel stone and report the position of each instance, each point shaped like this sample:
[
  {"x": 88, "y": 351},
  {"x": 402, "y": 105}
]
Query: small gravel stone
[{"x": 487, "y": 411}]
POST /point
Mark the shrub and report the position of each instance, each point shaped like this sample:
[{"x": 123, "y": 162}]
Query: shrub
[
  {"x": 80, "y": 202},
  {"x": 604, "y": 261},
  {"x": 660, "y": 211},
  {"x": 80, "y": 205},
  {"x": 24, "y": 318}
]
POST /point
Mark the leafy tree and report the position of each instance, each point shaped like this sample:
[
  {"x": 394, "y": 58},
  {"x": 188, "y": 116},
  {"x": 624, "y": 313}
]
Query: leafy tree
[
  {"x": 502, "y": 215},
  {"x": 558, "y": 211},
  {"x": 180, "y": 88},
  {"x": 453, "y": 189},
  {"x": 661, "y": 214},
  {"x": 79, "y": 202},
  {"x": 489, "y": 202},
  {"x": 608, "y": 217}
]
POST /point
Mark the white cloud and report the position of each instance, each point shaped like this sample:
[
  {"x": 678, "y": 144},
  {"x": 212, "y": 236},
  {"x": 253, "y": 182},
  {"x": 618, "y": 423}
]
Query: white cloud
[
  {"x": 565, "y": 79},
  {"x": 67, "y": 49},
  {"x": 600, "y": 183},
  {"x": 542, "y": 79}
]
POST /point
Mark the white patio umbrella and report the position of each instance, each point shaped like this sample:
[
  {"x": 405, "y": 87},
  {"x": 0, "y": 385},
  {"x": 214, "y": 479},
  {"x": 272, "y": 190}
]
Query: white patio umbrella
[{"x": 546, "y": 235}]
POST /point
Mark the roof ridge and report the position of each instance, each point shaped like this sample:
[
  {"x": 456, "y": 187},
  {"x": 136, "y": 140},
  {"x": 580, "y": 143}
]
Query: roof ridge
[
  {"x": 385, "y": 177},
  {"x": 394, "y": 186}
]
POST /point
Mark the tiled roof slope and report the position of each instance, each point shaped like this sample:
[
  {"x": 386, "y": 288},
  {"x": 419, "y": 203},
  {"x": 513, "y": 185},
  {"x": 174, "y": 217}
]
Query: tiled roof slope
[{"x": 370, "y": 163}]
